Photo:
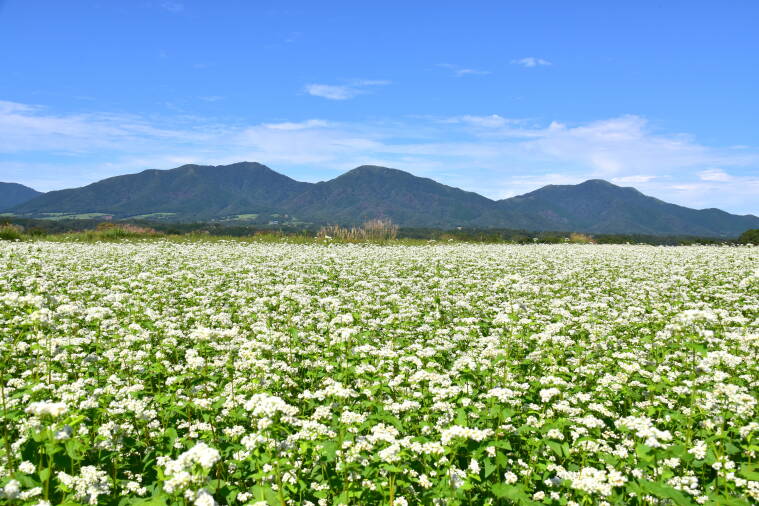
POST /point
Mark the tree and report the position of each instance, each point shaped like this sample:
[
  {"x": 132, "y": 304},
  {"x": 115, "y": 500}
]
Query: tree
[{"x": 750, "y": 236}]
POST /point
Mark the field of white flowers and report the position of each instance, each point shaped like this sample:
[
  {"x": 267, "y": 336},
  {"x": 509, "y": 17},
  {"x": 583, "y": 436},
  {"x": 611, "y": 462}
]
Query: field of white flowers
[{"x": 193, "y": 373}]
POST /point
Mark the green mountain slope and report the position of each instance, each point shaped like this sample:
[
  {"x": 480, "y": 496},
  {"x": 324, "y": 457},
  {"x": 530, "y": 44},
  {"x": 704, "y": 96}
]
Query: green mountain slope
[
  {"x": 370, "y": 192},
  {"x": 190, "y": 192},
  {"x": 206, "y": 193},
  {"x": 13, "y": 194}
]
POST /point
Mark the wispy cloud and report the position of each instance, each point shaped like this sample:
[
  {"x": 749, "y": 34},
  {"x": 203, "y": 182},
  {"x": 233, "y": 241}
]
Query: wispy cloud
[
  {"x": 491, "y": 121},
  {"x": 172, "y": 6},
  {"x": 302, "y": 125},
  {"x": 343, "y": 91},
  {"x": 492, "y": 154},
  {"x": 715, "y": 175},
  {"x": 460, "y": 71},
  {"x": 531, "y": 61},
  {"x": 634, "y": 179}
]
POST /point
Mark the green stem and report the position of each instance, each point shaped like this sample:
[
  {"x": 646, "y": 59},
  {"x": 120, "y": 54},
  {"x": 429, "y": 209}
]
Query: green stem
[{"x": 6, "y": 436}]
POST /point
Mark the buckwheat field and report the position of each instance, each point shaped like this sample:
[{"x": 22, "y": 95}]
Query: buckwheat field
[{"x": 157, "y": 372}]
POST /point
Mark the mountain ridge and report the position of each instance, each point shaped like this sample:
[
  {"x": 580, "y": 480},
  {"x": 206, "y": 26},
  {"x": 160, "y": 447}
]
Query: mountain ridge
[
  {"x": 13, "y": 194},
  {"x": 252, "y": 192}
]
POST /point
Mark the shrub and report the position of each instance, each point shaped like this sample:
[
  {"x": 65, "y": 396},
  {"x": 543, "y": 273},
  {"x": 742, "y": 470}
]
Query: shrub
[
  {"x": 380, "y": 230},
  {"x": 580, "y": 238},
  {"x": 10, "y": 232},
  {"x": 37, "y": 232},
  {"x": 377, "y": 230},
  {"x": 114, "y": 231},
  {"x": 750, "y": 236}
]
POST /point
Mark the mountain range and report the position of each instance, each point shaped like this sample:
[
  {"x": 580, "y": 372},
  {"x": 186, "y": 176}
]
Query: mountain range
[{"x": 249, "y": 192}]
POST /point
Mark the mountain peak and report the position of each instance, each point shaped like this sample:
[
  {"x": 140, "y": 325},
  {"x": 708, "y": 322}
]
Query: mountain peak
[
  {"x": 245, "y": 165},
  {"x": 374, "y": 170},
  {"x": 599, "y": 183}
]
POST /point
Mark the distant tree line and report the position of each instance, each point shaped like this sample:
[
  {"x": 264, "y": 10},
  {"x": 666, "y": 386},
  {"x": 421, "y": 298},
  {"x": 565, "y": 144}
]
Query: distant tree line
[{"x": 18, "y": 227}]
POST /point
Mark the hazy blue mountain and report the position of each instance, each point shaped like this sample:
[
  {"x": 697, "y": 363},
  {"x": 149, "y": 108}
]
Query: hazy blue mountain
[
  {"x": 245, "y": 191},
  {"x": 13, "y": 194},
  {"x": 597, "y": 206}
]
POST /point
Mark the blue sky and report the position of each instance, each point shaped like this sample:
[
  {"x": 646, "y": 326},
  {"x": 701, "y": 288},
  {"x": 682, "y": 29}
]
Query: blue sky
[{"x": 494, "y": 97}]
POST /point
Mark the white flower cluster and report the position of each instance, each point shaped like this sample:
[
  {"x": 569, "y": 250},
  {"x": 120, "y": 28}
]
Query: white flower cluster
[
  {"x": 182, "y": 472},
  {"x": 458, "y": 432},
  {"x": 88, "y": 485},
  {"x": 644, "y": 428},
  {"x": 593, "y": 481},
  {"x": 268, "y": 406},
  {"x": 54, "y": 409}
]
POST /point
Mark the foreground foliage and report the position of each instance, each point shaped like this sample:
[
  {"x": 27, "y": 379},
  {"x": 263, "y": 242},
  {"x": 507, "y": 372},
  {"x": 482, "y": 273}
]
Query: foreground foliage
[{"x": 168, "y": 373}]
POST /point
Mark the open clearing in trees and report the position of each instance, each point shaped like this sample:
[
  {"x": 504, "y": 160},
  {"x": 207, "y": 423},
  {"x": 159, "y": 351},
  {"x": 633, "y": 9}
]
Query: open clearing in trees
[{"x": 155, "y": 372}]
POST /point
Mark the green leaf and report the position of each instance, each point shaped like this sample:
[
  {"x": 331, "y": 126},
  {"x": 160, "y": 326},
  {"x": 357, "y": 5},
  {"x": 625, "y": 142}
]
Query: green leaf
[
  {"x": 330, "y": 450},
  {"x": 664, "y": 491},
  {"x": 697, "y": 347},
  {"x": 749, "y": 472},
  {"x": 678, "y": 451},
  {"x": 514, "y": 493},
  {"x": 147, "y": 501},
  {"x": 267, "y": 493},
  {"x": 555, "y": 447},
  {"x": 730, "y": 448},
  {"x": 502, "y": 444},
  {"x": 489, "y": 468}
]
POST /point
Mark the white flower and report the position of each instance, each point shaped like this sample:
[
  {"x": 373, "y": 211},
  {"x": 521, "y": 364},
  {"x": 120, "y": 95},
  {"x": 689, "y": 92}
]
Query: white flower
[
  {"x": 644, "y": 428},
  {"x": 268, "y": 406},
  {"x": 27, "y": 467},
  {"x": 54, "y": 409},
  {"x": 547, "y": 394},
  {"x": 179, "y": 472},
  {"x": 457, "y": 431},
  {"x": 88, "y": 485},
  {"x": 32, "y": 492},
  {"x": 204, "y": 498},
  {"x": 698, "y": 450},
  {"x": 457, "y": 477},
  {"x": 12, "y": 489}
]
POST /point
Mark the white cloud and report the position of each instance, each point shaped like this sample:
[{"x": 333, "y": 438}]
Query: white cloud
[
  {"x": 491, "y": 154},
  {"x": 714, "y": 175},
  {"x": 344, "y": 91},
  {"x": 531, "y": 61},
  {"x": 311, "y": 123},
  {"x": 639, "y": 178},
  {"x": 370, "y": 82},
  {"x": 460, "y": 71},
  {"x": 172, "y": 6},
  {"x": 492, "y": 121},
  {"x": 331, "y": 92}
]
